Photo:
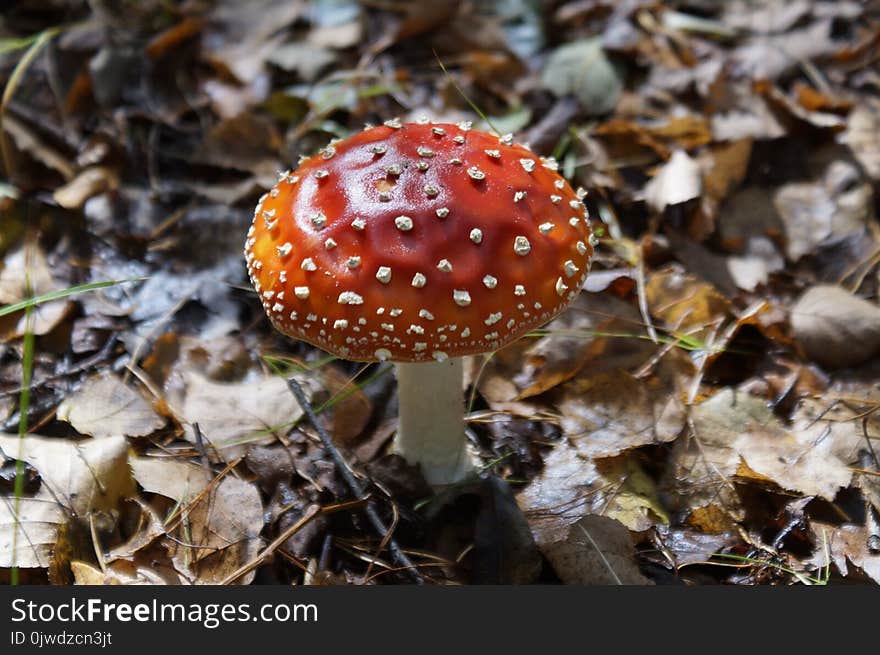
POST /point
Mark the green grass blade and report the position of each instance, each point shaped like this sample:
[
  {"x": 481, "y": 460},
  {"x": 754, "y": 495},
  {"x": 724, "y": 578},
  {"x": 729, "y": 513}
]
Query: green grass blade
[
  {"x": 461, "y": 92},
  {"x": 63, "y": 293},
  {"x": 27, "y": 365}
]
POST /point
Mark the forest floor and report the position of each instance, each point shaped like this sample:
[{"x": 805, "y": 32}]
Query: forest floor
[{"x": 705, "y": 412}]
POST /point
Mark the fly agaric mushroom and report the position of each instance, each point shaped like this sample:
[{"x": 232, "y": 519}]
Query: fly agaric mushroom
[{"x": 420, "y": 243}]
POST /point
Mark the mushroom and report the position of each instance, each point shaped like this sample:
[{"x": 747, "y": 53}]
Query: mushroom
[{"x": 418, "y": 244}]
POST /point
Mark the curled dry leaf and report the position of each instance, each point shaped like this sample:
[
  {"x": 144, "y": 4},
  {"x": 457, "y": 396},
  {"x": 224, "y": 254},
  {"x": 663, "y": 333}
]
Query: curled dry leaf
[
  {"x": 243, "y": 36},
  {"x": 149, "y": 528},
  {"x": 89, "y": 182},
  {"x": 105, "y": 407},
  {"x": 606, "y": 414},
  {"x": 636, "y": 141},
  {"x": 596, "y": 551},
  {"x": 796, "y": 115},
  {"x": 680, "y": 547},
  {"x": 123, "y": 572},
  {"x": 836, "y": 328},
  {"x": 746, "y": 214},
  {"x": 725, "y": 167},
  {"x": 25, "y": 273},
  {"x": 737, "y": 435},
  {"x": 754, "y": 266},
  {"x": 678, "y": 181},
  {"x": 684, "y": 303},
  {"x": 580, "y": 336},
  {"x": 572, "y": 486},
  {"x": 688, "y": 131},
  {"x": 351, "y": 407},
  {"x": 764, "y": 16},
  {"x": 629, "y": 141},
  {"x": 862, "y": 135},
  {"x": 817, "y": 213},
  {"x": 558, "y": 356},
  {"x": 233, "y": 415},
  {"x": 305, "y": 59},
  {"x": 219, "y": 528},
  {"x": 769, "y": 57},
  {"x": 77, "y": 478},
  {"x": 846, "y": 545},
  {"x": 837, "y": 421}
]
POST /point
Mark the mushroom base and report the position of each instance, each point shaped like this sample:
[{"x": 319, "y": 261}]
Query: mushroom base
[{"x": 431, "y": 429}]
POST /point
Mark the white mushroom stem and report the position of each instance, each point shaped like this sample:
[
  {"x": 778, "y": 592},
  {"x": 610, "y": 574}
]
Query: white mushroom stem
[{"x": 431, "y": 430}]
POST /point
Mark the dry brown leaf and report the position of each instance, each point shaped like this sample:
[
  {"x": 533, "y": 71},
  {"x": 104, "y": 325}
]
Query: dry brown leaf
[
  {"x": 764, "y": 16},
  {"x": 349, "y": 415},
  {"x": 814, "y": 100},
  {"x": 27, "y": 140},
  {"x": 148, "y": 530},
  {"x": 754, "y": 265},
  {"x": 597, "y": 551},
  {"x": 816, "y": 213},
  {"x": 795, "y": 115},
  {"x": 845, "y": 544},
  {"x": 26, "y": 272},
  {"x": 725, "y": 167},
  {"x": 605, "y": 415},
  {"x": 738, "y": 435},
  {"x": 233, "y": 415},
  {"x": 557, "y": 357},
  {"x": 572, "y": 486},
  {"x": 685, "y": 303},
  {"x": 84, "y": 475},
  {"x": 117, "y": 573},
  {"x": 88, "y": 182},
  {"x": 688, "y": 546},
  {"x": 677, "y": 181},
  {"x": 576, "y": 338},
  {"x": 242, "y": 36},
  {"x": 835, "y": 328},
  {"x": 688, "y": 131},
  {"x": 40, "y": 518},
  {"x": 105, "y": 407},
  {"x": 220, "y": 531},
  {"x": 77, "y": 478},
  {"x": 769, "y": 57},
  {"x": 630, "y": 142},
  {"x": 862, "y": 135},
  {"x": 839, "y": 425}
]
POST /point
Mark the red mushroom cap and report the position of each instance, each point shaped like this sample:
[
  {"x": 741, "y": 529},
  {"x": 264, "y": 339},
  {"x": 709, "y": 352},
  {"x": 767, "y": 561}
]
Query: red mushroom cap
[{"x": 418, "y": 241}]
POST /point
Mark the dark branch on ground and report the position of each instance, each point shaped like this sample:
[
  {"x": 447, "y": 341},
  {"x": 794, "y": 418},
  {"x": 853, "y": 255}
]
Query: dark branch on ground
[{"x": 354, "y": 485}]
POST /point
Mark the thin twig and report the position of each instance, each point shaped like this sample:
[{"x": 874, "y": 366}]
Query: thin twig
[
  {"x": 643, "y": 299},
  {"x": 309, "y": 514},
  {"x": 868, "y": 441},
  {"x": 203, "y": 453},
  {"x": 604, "y": 559},
  {"x": 353, "y": 483},
  {"x": 90, "y": 362}
]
